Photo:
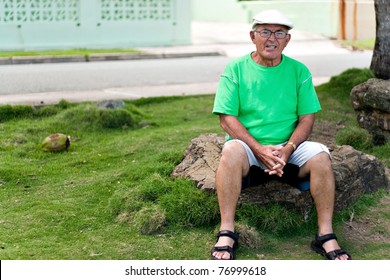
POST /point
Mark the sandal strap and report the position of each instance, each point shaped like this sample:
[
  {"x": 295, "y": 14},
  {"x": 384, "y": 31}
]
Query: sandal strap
[
  {"x": 223, "y": 249},
  {"x": 332, "y": 255},
  {"x": 317, "y": 246},
  {"x": 228, "y": 233},
  {"x": 325, "y": 238},
  {"x": 227, "y": 249}
]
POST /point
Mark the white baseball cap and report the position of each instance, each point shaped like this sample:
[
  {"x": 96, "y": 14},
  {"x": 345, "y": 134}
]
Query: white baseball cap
[{"x": 271, "y": 17}]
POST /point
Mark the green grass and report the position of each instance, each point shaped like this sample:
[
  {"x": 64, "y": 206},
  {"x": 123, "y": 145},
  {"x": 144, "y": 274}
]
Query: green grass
[
  {"x": 367, "y": 44},
  {"x": 334, "y": 96},
  {"x": 111, "y": 196},
  {"x": 82, "y": 52}
]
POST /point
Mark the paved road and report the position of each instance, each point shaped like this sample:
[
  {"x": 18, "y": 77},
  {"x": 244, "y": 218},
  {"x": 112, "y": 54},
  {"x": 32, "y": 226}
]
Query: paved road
[
  {"x": 48, "y": 83},
  {"x": 109, "y": 74}
]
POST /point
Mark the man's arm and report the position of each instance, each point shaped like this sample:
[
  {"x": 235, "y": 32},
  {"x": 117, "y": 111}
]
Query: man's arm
[
  {"x": 268, "y": 155},
  {"x": 273, "y": 157},
  {"x": 301, "y": 132}
]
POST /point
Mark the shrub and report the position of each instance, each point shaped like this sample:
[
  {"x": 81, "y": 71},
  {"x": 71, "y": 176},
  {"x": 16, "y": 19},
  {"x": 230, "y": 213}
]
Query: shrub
[
  {"x": 357, "y": 137},
  {"x": 186, "y": 205},
  {"x": 125, "y": 200},
  {"x": 249, "y": 236},
  {"x": 340, "y": 86},
  {"x": 149, "y": 219},
  {"x": 350, "y": 78},
  {"x": 90, "y": 117},
  {"x": 9, "y": 112},
  {"x": 46, "y": 111},
  {"x": 154, "y": 187},
  {"x": 116, "y": 118},
  {"x": 272, "y": 218},
  {"x": 63, "y": 104},
  {"x": 133, "y": 198}
]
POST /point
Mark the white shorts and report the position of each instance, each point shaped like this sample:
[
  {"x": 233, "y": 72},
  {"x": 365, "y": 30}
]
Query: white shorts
[
  {"x": 305, "y": 151},
  {"x": 299, "y": 157}
]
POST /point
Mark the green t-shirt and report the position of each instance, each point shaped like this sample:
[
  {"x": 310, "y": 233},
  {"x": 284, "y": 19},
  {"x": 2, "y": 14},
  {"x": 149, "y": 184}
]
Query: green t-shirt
[{"x": 266, "y": 100}]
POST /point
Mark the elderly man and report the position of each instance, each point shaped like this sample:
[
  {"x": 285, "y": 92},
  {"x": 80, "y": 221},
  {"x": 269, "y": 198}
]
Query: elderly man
[{"x": 266, "y": 103}]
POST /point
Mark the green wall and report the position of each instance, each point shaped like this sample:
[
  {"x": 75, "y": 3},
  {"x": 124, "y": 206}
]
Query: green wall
[{"x": 64, "y": 24}]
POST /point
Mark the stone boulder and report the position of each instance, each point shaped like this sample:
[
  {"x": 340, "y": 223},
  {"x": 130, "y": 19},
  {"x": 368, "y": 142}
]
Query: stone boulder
[
  {"x": 371, "y": 101},
  {"x": 111, "y": 104},
  {"x": 355, "y": 173}
]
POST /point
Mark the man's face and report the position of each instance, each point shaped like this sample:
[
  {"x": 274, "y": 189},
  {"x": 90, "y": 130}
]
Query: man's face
[{"x": 270, "y": 46}]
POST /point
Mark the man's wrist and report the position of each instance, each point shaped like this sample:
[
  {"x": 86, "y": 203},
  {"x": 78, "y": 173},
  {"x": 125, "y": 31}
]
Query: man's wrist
[{"x": 292, "y": 144}]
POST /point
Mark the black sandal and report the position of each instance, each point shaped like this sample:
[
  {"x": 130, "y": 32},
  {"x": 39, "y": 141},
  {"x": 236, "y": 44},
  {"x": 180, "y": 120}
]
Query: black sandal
[
  {"x": 227, "y": 248},
  {"x": 317, "y": 246}
]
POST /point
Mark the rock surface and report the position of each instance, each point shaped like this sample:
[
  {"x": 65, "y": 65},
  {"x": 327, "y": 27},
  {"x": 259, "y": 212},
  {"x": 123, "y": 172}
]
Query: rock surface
[
  {"x": 371, "y": 101},
  {"x": 111, "y": 104},
  {"x": 355, "y": 173}
]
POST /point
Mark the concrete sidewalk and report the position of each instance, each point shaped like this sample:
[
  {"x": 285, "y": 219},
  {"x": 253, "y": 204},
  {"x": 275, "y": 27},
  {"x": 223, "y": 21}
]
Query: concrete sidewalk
[
  {"x": 208, "y": 38},
  {"x": 232, "y": 40}
]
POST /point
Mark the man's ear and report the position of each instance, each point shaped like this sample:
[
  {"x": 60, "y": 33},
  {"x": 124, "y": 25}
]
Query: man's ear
[
  {"x": 252, "y": 35},
  {"x": 288, "y": 37}
]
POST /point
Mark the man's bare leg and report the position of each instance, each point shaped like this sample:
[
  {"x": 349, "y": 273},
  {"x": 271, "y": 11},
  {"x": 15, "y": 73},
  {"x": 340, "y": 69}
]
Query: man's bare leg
[
  {"x": 233, "y": 165},
  {"x": 322, "y": 189}
]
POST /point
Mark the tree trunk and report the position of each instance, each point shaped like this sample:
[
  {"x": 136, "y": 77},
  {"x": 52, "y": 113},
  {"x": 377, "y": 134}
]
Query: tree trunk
[{"x": 380, "y": 63}]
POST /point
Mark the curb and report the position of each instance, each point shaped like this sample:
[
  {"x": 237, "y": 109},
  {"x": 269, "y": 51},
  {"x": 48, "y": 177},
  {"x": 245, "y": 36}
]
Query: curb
[{"x": 15, "y": 60}]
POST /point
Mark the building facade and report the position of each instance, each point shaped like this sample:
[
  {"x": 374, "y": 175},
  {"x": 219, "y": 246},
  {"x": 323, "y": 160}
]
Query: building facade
[
  {"x": 341, "y": 19},
  {"x": 66, "y": 24}
]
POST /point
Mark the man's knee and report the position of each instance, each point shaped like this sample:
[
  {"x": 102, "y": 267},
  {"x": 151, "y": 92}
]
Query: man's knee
[
  {"x": 323, "y": 157},
  {"x": 233, "y": 153},
  {"x": 233, "y": 149},
  {"x": 321, "y": 160}
]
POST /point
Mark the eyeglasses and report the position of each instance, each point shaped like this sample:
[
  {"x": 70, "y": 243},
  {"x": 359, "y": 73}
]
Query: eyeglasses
[{"x": 265, "y": 33}]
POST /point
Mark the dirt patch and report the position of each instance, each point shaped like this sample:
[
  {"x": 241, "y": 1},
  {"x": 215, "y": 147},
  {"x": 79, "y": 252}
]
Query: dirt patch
[
  {"x": 374, "y": 226},
  {"x": 325, "y": 132}
]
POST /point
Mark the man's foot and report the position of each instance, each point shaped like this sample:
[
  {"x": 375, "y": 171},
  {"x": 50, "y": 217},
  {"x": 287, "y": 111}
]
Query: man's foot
[
  {"x": 327, "y": 246},
  {"x": 226, "y": 244}
]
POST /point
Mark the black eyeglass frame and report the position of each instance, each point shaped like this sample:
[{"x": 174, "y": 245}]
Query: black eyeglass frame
[{"x": 265, "y": 33}]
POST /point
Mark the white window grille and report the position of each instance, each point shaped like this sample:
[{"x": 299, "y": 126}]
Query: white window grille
[
  {"x": 32, "y": 11},
  {"x": 136, "y": 10}
]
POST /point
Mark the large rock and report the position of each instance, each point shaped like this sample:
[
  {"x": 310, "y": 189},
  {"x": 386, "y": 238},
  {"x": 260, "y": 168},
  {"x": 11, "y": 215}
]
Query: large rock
[
  {"x": 371, "y": 101},
  {"x": 355, "y": 173}
]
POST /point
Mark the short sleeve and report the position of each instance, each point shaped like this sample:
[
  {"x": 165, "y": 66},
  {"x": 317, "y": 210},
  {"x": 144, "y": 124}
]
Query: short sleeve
[
  {"x": 227, "y": 95},
  {"x": 308, "y": 102}
]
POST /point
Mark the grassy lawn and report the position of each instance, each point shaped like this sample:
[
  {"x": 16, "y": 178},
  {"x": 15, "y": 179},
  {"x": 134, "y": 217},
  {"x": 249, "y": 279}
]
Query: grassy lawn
[
  {"x": 111, "y": 197},
  {"x": 367, "y": 44}
]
